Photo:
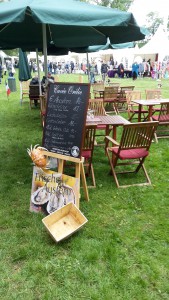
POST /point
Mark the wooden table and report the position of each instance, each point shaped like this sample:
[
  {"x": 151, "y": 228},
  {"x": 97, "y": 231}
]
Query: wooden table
[
  {"x": 114, "y": 121},
  {"x": 150, "y": 103}
]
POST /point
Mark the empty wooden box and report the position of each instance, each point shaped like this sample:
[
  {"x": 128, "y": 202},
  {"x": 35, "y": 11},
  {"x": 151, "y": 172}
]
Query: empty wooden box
[{"x": 64, "y": 222}]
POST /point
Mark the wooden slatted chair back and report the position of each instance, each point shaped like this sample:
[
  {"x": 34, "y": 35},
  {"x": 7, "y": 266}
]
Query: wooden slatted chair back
[
  {"x": 25, "y": 89},
  {"x": 97, "y": 86},
  {"x": 164, "y": 111},
  {"x": 110, "y": 93},
  {"x": 25, "y": 85},
  {"x": 131, "y": 151},
  {"x": 122, "y": 102},
  {"x": 89, "y": 137},
  {"x": 87, "y": 150},
  {"x": 163, "y": 118},
  {"x": 137, "y": 135},
  {"x": 133, "y": 108},
  {"x": 96, "y": 105},
  {"x": 110, "y": 97},
  {"x": 153, "y": 94},
  {"x": 97, "y": 89},
  {"x": 123, "y": 90},
  {"x": 114, "y": 84},
  {"x": 127, "y": 88},
  {"x": 132, "y": 95}
]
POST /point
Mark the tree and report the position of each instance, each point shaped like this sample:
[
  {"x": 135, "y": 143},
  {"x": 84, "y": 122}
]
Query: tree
[
  {"x": 13, "y": 52},
  {"x": 153, "y": 21},
  {"x": 119, "y": 4}
]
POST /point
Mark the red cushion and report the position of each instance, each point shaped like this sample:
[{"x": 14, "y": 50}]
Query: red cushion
[
  {"x": 101, "y": 127},
  {"x": 156, "y": 109},
  {"x": 109, "y": 100},
  {"x": 86, "y": 153},
  {"x": 131, "y": 153},
  {"x": 137, "y": 111},
  {"x": 163, "y": 118}
]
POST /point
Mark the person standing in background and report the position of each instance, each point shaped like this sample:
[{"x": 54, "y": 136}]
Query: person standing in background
[
  {"x": 141, "y": 69},
  {"x": 135, "y": 68},
  {"x": 92, "y": 70},
  {"x": 72, "y": 66},
  {"x": 99, "y": 65},
  {"x": 120, "y": 70},
  {"x": 104, "y": 70}
]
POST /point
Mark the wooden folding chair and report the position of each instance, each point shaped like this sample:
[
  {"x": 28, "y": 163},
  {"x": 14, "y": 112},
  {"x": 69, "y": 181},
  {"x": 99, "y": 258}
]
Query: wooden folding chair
[
  {"x": 97, "y": 107},
  {"x": 122, "y": 102},
  {"x": 133, "y": 108},
  {"x": 24, "y": 85},
  {"x": 33, "y": 93},
  {"x": 153, "y": 94},
  {"x": 110, "y": 96},
  {"x": 87, "y": 151},
  {"x": 97, "y": 89},
  {"x": 132, "y": 150},
  {"x": 114, "y": 84},
  {"x": 163, "y": 119}
]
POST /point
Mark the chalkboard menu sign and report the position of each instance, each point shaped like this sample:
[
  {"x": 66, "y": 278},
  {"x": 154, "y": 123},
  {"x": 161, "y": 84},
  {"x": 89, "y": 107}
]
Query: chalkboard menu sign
[{"x": 65, "y": 120}]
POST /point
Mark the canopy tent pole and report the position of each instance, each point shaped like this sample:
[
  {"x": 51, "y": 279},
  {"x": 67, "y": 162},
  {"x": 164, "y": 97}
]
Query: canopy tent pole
[
  {"x": 20, "y": 83},
  {"x": 88, "y": 71},
  {"x": 37, "y": 61},
  {"x": 44, "y": 48}
]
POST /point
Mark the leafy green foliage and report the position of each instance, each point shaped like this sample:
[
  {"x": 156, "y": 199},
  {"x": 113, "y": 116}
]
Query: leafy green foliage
[
  {"x": 153, "y": 21},
  {"x": 119, "y": 4}
]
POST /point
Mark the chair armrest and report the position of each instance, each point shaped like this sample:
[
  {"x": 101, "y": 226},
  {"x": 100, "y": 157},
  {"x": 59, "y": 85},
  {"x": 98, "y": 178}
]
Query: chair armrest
[{"x": 110, "y": 139}]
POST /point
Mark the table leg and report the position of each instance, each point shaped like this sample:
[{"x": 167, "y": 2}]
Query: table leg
[
  {"x": 114, "y": 133},
  {"x": 150, "y": 112},
  {"x": 107, "y": 130},
  {"x": 139, "y": 113}
]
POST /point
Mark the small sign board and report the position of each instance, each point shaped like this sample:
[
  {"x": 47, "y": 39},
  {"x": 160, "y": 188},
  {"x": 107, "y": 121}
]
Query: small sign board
[
  {"x": 65, "y": 120},
  {"x": 52, "y": 190}
]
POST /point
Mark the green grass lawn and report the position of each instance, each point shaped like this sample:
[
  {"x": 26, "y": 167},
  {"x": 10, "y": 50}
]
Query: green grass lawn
[{"x": 120, "y": 254}]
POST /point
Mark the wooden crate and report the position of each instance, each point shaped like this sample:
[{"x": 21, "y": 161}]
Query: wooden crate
[{"x": 64, "y": 222}]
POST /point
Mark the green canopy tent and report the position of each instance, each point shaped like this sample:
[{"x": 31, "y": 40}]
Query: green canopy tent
[
  {"x": 39, "y": 24},
  {"x": 24, "y": 69},
  {"x": 97, "y": 48},
  {"x": 107, "y": 46}
]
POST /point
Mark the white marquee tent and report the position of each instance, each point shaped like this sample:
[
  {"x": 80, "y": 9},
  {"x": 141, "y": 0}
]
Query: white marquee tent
[
  {"x": 2, "y": 56},
  {"x": 157, "y": 48}
]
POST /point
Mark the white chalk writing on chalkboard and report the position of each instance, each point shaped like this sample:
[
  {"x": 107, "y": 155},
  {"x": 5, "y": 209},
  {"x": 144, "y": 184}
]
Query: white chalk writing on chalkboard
[{"x": 65, "y": 118}]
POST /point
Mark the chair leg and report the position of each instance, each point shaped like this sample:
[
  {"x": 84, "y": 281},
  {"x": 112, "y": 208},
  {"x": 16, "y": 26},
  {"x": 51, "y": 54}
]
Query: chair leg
[
  {"x": 141, "y": 165},
  {"x": 155, "y": 136},
  {"x": 113, "y": 164},
  {"x": 115, "y": 108},
  {"x": 146, "y": 174},
  {"x": 84, "y": 184},
  {"x": 112, "y": 167},
  {"x": 90, "y": 171},
  {"x": 93, "y": 176}
]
